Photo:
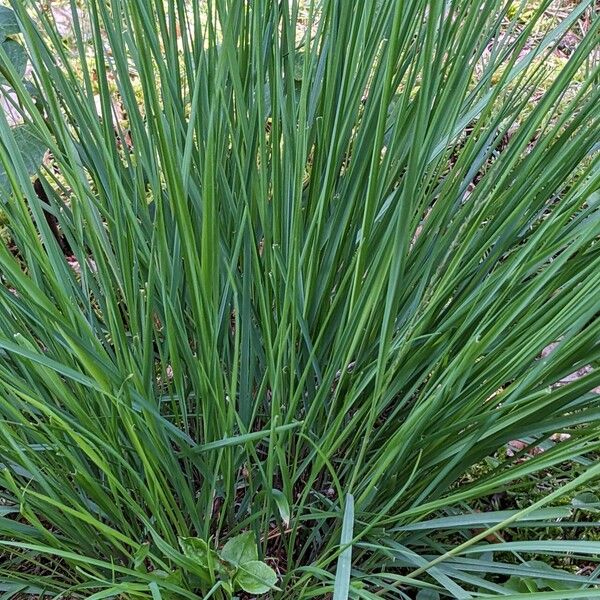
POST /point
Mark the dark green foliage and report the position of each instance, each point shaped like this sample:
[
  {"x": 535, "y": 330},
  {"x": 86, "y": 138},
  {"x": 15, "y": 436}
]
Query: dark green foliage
[{"x": 318, "y": 253}]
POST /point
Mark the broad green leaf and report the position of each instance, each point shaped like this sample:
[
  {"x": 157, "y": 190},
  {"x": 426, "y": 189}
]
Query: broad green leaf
[
  {"x": 555, "y": 581},
  {"x": 240, "y": 549},
  {"x": 256, "y": 577},
  {"x": 521, "y": 584},
  {"x": 517, "y": 584},
  {"x": 198, "y": 550},
  {"x": 32, "y": 151},
  {"x": 17, "y": 56},
  {"x": 8, "y": 22},
  {"x": 587, "y": 501},
  {"x": 174, "y": 576}
]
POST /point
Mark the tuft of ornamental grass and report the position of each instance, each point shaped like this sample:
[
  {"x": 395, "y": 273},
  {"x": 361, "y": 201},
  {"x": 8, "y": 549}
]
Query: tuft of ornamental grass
[{"x": 315, "y": 254}]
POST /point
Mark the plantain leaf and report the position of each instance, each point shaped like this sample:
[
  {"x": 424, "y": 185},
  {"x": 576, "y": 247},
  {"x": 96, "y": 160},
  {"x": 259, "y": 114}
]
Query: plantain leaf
[
  {"x": 256, "y": 577},
  {"x": 240, "y": 550}
]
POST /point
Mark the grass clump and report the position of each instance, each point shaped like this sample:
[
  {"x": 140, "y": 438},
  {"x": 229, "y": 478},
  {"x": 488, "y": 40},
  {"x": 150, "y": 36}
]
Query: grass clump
[{"x": 304, "y": 303}]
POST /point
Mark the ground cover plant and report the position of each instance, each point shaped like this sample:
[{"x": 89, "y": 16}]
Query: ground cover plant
[{"x": 287, "y": 282}]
